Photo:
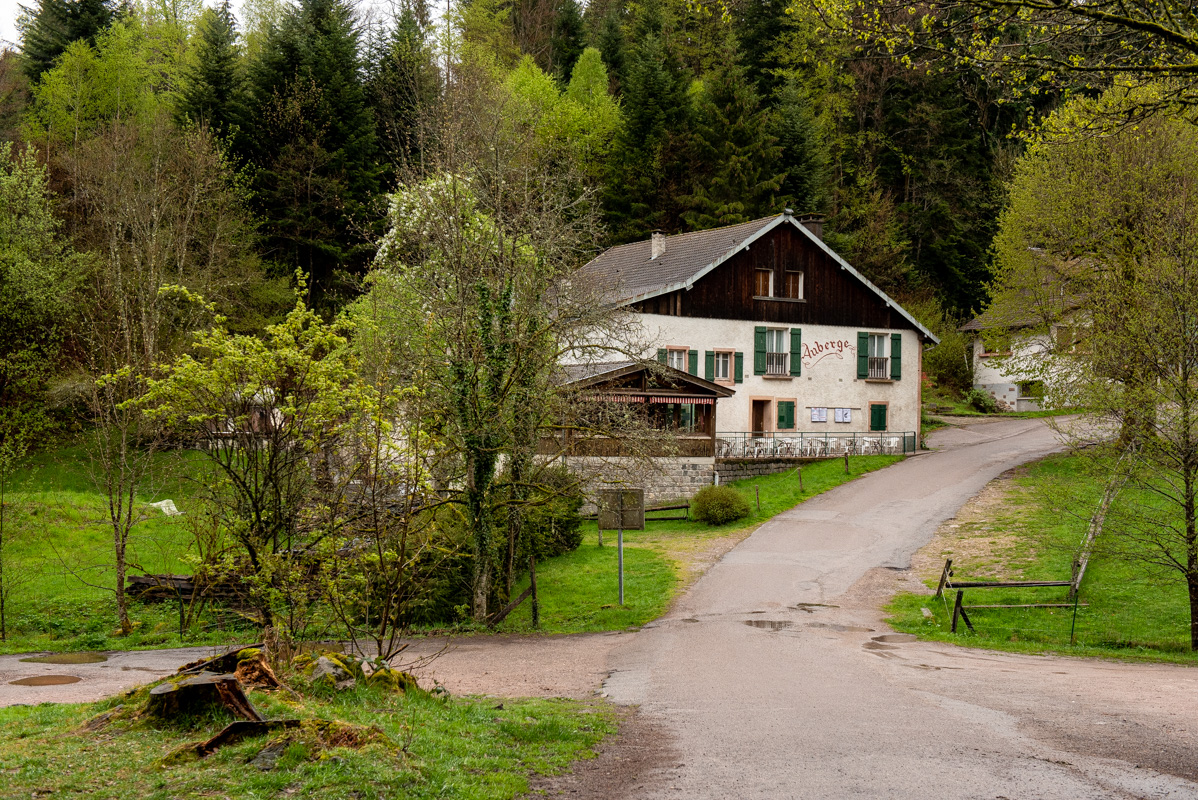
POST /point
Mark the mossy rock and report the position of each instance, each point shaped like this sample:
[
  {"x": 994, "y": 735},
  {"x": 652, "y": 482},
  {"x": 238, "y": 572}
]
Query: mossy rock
[
  {"x": 303, "y": 662},
  {"x": 393, "y": 680}
]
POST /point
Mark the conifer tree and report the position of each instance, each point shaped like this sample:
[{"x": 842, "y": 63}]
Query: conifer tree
[
  {"x": 314, "y": 142},
  {"x": 54, "y": 24},
  {"x": 401, "y": 84},
  {"x": 649, "y": 164},
  {"x": 214, "y": 88},
  {"x": 803, "y": 155},
  {"x": 611, "y": 45},
  {"x": 758, "y": 25},
  {"x": 567, "y": 43},
  {"x": 739, "y": 157}
]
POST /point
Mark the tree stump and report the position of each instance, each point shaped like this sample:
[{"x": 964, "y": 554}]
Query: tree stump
[{"x": 197, "y": 695}]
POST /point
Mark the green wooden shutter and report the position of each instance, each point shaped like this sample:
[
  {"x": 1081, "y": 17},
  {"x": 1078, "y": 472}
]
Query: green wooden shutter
[
  {"x": 796, "y": 351},
  {"x": 709, "y": 365},
  {"x": 661, "y": 355},
  {"x": 759, "y": 350},
  {"x": 877, "y": 418},
  {"x": 786, "y": 415},
  {"x": 738, "y": 374},
  {"x": 863, "y": 355},
  {"x": 692, "y": 362},
  {"x": 896, "y": 355}
]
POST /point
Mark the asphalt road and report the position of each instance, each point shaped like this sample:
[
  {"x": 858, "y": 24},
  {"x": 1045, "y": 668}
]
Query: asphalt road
[{"x": 768, "y": 682}]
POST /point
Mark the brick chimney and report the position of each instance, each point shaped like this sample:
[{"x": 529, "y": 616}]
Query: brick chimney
[
  {"x": 657, "y": 245},
  {"x": 813, "y": 223}
]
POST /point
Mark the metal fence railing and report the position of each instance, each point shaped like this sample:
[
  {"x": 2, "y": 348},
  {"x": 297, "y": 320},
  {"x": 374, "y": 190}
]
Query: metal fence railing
[{"x": 803, "y": 444}]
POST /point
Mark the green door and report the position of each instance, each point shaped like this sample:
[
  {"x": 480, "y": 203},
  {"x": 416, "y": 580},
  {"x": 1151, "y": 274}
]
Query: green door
[{"x": 877, "y": 417}]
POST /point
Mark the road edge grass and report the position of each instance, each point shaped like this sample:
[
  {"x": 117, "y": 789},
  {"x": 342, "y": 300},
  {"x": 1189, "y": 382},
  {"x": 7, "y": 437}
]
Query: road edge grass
[
  {"x": 579, "y": 590},
  {"x": 1129, "y": 614},
  {"x": 416, "y": 745}
]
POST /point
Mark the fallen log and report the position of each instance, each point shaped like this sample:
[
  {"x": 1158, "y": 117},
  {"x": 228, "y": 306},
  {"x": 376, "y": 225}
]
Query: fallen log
[{"x": 241, "y": 729}]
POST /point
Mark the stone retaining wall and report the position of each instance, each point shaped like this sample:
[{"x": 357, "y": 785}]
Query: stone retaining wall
[
  {"x": 735, "y": 469},
  {"x": 672, "y": 479}
]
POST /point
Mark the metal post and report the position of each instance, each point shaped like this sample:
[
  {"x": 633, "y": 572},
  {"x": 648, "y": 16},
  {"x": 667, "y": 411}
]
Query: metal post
[{"x": 620, "y": 548}]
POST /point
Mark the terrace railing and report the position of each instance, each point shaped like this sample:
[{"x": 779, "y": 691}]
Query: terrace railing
[{"x": 806, "y": 444}]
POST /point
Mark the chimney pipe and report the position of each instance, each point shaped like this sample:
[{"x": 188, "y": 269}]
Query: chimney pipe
[
  {"x": 657, "y": 245},
  {"x": 813, "y": 223}
]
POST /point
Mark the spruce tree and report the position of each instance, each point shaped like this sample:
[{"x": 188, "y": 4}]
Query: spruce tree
[
  {"x": 567, "y": 43},
  {"x": 758, "y": 25},
  {"x": 313, "y": 140},
  {"x": 611, "y": 45},
  {"x": 735, "y": 157},
  {"x": 649, "y": 167},
  {"x": 214, "y": 87},
  {"x": 402, "y": 84},
  {"x": 54, "y": 24},
  {"x": 803, "y": 156}
]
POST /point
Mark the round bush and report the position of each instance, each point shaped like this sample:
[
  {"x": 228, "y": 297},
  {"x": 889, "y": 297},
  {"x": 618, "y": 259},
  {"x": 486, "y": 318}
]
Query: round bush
[
  {"x": 716, "y": 505},
  {"x": 982, "y": 401}
]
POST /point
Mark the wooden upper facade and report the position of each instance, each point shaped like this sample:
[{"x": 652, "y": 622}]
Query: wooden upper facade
[{"x": 773, "y": 270}]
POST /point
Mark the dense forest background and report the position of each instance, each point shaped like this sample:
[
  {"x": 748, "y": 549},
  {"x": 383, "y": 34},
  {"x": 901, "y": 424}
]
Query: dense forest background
[{"x": 161, "y": 143}]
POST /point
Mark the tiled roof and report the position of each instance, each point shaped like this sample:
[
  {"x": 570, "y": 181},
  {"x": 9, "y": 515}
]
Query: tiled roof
[{"x": 628, "y": 272}]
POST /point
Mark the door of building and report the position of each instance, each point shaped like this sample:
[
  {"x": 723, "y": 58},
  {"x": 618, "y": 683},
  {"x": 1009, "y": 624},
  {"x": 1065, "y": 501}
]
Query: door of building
[
  {"x": 877, "y": 416},
  {"x": 760, "y": 415}
]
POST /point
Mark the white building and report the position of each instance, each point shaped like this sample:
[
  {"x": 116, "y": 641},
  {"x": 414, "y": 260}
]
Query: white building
[{"x": 812, "y": 349}]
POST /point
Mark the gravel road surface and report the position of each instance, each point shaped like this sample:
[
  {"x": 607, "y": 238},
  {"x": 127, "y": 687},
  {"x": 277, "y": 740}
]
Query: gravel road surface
[{"x": 774, "y": 677}]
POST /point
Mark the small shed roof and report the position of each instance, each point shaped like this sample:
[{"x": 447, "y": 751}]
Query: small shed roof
[{"x": 586, "y": 375}]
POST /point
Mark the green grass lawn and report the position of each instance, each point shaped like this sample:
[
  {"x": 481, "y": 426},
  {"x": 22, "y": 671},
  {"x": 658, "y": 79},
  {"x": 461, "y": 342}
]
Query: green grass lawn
[
  {"x": 1132, "y": 611},
  {"x": 579, "y": 591},
  {"x": 429, "y": 747},
  {"x": 66, "y": 560},
  {"x": 62, "y": 559}
]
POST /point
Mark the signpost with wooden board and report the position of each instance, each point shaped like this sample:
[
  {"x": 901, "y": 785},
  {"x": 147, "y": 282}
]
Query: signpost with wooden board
[{"x": 621, "y": 510}]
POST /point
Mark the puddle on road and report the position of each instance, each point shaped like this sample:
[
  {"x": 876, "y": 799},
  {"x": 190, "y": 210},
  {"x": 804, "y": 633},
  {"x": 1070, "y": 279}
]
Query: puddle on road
[
  {"x": 809, "y": 607},
  {"x": 769, "y": 624},
  {"x": 896, "y": 637},
  {"x": 877, "y": 646},
  {"x": 832, "y": 626},
  {"x": 46, "y": 680},
  {"x": 68, "y": 658},
  {"x": 691, "y": 619}
]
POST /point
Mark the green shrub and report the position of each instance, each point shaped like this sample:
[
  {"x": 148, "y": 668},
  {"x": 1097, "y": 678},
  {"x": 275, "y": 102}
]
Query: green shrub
[
  {"x": 982, "y": 401},
  {"x": 717, "y": 505}
]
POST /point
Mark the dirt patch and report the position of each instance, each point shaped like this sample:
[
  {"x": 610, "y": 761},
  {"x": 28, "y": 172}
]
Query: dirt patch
[
  {"x": 639, "y": 758},
  {"x": 977, "y": 539},
  {"x": 694, "y": 554},
  {"x": 509, "y": 665}
]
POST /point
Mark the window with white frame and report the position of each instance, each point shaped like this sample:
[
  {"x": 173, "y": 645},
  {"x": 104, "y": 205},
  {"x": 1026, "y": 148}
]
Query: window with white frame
[
  {"x": 723, "y": 366},
  {"x": 676, "y": 358},
  {"x": 879, "y": 362},
  {"x": 776, "y": 352}
]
